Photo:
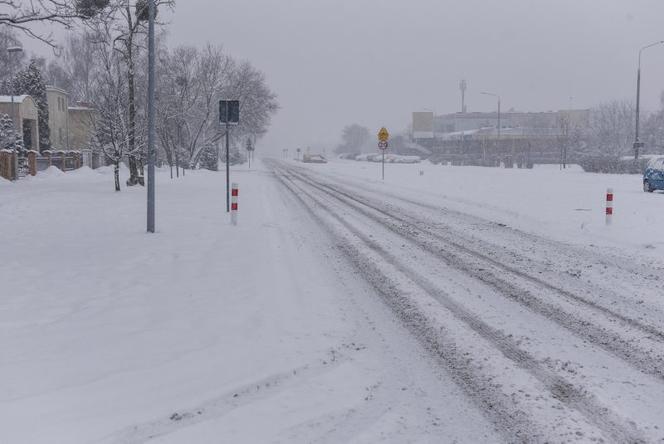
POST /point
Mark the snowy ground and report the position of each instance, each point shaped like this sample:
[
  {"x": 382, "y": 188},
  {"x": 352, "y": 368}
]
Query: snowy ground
[
  {"x": 202, "y": 332},
  {"x": 465, "y": 304}
]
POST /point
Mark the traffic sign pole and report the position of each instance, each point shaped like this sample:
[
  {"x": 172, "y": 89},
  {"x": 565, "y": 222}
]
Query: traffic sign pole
[
  {"x": 228, "y": 167},
  {"x": 229, "y": 113},
  {"x": 383, "y": 137}
]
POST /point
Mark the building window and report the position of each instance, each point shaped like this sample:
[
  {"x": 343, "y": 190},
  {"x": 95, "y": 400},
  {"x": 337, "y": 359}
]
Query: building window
[{"x": 61, "y": 136}]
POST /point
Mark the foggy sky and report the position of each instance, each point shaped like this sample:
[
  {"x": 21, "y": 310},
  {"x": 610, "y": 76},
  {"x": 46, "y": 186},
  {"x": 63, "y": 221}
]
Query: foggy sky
[{"x": 373, "y": 62}]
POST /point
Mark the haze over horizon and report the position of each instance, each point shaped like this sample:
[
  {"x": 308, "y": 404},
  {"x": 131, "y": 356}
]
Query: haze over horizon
[{"x": 374, "y": 62}]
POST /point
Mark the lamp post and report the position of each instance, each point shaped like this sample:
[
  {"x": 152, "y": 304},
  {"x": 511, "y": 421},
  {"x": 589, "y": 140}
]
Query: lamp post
[
  {"x": 151, "y": 115},
  {"x": 637, "y": 143},
  {"x": 497, "y": 97},
  {"x": 14, "y": 50}
]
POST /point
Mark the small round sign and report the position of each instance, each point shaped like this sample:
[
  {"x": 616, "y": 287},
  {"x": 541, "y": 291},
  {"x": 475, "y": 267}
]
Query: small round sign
[{"x": 382, "y": 145}]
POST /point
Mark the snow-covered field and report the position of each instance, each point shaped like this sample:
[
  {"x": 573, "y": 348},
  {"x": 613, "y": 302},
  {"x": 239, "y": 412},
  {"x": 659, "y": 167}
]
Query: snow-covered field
[{"x": 457, "y": 304}]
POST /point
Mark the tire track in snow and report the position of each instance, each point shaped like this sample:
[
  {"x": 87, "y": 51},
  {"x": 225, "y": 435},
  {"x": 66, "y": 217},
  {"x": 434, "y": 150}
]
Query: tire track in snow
[
  {"x": 606, "y": 259},
  {"x": 230, "y": 400},
  {"x": 480, "y": 266},
  {"x": 510, "y": 415},
  {"x": 646, "y": 270}
]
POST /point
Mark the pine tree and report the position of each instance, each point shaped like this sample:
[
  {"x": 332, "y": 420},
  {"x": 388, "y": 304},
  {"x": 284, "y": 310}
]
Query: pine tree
[
  {"x": 235, "y": 156},
  {"x": 9, "y": 138},
  {"x": 209, "y": 158},
  {"x": 31, "y": 82}
]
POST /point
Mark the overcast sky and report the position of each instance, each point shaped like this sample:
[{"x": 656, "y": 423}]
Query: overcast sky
[{"x": 373, "y": 62}]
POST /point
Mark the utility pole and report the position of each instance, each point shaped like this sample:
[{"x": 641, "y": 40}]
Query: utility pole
[
  {"x": 637, "y": 143},
  {"x": 228, "y": 167},
  {"x": 151, "y": 124}
]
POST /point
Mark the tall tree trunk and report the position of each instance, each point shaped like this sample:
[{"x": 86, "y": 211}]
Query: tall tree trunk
[
  {"x": 135, "y": 167},
  {"x": 116, "y": 173}
]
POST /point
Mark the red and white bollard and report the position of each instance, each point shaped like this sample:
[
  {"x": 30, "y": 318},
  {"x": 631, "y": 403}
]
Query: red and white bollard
[
  {"x": 234, "y": 194},
  {"x": 609, "y": 205}
]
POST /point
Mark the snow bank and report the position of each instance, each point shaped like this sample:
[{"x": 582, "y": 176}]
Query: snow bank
[{"x": 51, "y": 171}]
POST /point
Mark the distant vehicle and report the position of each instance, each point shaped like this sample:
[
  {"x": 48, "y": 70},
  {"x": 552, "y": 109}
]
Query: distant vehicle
[
  {"x": 314, "y": 158},
  {"x": 653, "y": 177}
]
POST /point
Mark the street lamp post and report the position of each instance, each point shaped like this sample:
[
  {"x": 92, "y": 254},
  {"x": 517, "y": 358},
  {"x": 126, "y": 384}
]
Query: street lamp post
[
  {"x": 637, "y": 143},
  {"x": 497, "y": 97},
  {"x": 151, "y": 120},
  {"x": 14, "y": 50}
]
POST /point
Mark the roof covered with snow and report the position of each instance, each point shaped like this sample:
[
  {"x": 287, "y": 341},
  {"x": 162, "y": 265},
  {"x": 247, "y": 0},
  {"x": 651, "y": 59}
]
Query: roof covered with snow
[
  {"x": 17, "y": 99},
  {"x": 80, "y": 108},
  {"x": 51, "y": 88}
]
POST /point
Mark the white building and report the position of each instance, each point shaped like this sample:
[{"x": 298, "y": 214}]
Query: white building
[
  {"x": 58, "y": 117},
  {"x": 24, "y": 114}
]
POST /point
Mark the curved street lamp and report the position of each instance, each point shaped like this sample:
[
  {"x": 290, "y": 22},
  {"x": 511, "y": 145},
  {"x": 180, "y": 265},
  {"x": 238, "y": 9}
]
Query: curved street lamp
[{"x": 637, "y": 143}]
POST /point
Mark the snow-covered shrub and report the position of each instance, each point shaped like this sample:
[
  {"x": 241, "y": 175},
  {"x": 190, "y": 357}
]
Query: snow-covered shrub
[{"x": 612, "y": 165}]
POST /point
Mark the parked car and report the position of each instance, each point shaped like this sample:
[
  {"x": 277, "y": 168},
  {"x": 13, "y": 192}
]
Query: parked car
[
  {"x": 314, "y": 158},
  {"x": 653, "y": 177}
]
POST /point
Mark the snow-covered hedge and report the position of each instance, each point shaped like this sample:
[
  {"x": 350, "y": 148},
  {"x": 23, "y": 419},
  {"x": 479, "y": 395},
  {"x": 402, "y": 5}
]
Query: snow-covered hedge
[{"x": 612, "y": 165}]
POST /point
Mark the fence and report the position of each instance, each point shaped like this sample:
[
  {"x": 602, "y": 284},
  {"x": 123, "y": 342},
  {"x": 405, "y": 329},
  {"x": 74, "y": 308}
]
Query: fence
[
  {"x": 7, "y": 164},
  {"x": 64, "y": 160},
  {"x": 33, "y": 162},
  {"x": 93, "y": 159}
]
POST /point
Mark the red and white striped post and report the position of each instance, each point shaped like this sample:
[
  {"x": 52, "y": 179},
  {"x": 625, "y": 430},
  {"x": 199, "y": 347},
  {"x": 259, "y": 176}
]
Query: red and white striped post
[
  {"x": 609, "y": 205},
  {"x": 234, "y": 194}
]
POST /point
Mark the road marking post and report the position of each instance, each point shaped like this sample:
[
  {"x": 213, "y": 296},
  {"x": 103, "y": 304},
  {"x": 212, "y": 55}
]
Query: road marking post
[
  {"x": 234, "y": 196},
  {"x": 609, "y": 206}
]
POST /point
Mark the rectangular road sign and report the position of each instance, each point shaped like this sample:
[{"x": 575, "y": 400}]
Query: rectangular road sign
[{"x": 229, "y": 111}]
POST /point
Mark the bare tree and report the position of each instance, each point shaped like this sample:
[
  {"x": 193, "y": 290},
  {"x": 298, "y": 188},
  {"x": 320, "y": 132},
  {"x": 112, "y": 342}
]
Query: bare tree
[
  {"x": 122, "y": 24},
  {"x": 111, "y": 123},
  {"x": 653, "y": 129},
  {"x": 73, "y": 69},
  {"x": 191, "y": 83},
  {"x": 257, "y": 102},
  {"x": 354, "y": 137},
  {"x": 611, "y": 128},
  {"x": 21, "y": 15},
  {"x": 564, "y": 136},
  {"x": 9, "y": 62},
  {"x": 177, "y": 96}
]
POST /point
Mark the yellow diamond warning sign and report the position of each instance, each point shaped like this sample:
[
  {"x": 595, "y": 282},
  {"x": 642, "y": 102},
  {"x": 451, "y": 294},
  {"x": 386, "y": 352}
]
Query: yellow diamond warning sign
[{"x": 383, "y": 135}]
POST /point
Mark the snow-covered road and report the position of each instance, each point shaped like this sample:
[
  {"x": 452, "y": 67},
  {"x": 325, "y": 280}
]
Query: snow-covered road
[{"x": 553, "y": 341}]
